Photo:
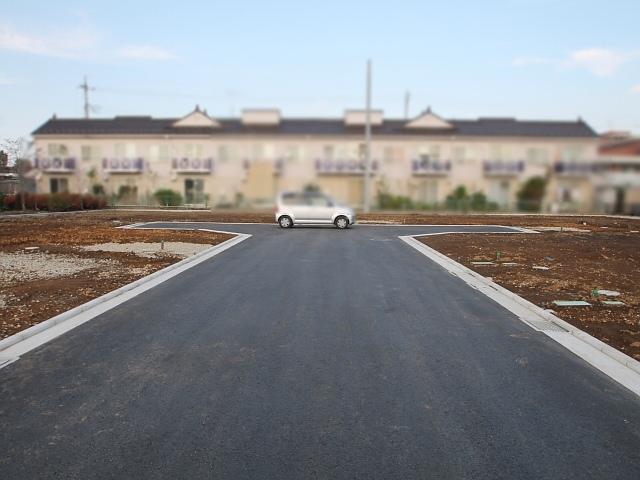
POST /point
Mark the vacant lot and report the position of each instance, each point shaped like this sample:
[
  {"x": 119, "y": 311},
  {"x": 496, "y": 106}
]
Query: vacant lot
[
  {"x": 79, "y": 257},
  {"x": 568, "y": 266}
]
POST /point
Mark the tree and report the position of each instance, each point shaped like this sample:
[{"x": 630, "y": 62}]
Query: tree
[
  {"x": 531, "y": 194},
  {"x": 4, "y": 160},
  {"x": 16, "y": 151}
]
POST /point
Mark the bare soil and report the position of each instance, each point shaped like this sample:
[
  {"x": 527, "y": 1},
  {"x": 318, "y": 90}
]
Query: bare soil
[
  {"x": 595, "y": 223},
  {"x": 578, "y": 262},
  {"x": 27, "y": 301}
]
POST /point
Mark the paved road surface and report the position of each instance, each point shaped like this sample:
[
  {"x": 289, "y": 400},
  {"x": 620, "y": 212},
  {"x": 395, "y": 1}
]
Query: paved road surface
[{"x": 313, "y": 353}]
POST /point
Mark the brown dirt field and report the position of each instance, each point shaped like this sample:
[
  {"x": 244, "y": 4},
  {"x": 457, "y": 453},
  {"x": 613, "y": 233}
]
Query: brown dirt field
[
  {"x": 24, "y": 303},
  {"x": 595, "y": 223},
  {"x": 578, "y": 263}
]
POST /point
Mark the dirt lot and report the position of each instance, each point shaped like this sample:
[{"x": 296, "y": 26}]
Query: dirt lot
[
  {"x": 577, "y": 262},
  {"x": 266, "y": 216},
  {"x": 63, "y": 274}
]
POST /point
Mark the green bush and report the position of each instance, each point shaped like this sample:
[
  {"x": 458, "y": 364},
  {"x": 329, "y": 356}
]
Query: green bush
[
  {"x": 386, "y": 201},
  {"x": 459, "y": 199},
  {"x": 168, "y": 198},
  {"x": 531, "y": 194}
]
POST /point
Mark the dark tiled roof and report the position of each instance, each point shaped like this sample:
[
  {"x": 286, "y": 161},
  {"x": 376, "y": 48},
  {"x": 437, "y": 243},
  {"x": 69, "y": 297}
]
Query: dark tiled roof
[{"x": 483, "y": 127}]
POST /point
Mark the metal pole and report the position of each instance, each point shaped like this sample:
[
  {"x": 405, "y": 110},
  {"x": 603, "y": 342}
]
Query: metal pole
[
  {"x": 85, "y": 87},
  {"x": 367, "y": 142}
]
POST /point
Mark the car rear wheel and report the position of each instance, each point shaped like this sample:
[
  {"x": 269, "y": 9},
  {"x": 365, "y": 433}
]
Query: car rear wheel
[
  {"x": 342, "y": 222},
  {"x": 285, "y": 221}
]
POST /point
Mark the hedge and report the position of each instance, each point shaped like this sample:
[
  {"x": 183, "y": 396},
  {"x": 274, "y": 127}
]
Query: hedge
[{"x": 53, "y": 202}]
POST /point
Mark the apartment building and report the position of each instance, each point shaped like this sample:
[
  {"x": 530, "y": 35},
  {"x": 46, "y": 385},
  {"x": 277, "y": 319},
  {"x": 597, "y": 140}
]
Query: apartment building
[
  {"x": 617, "y": 184},
  {"x": 246, "y": 160}
]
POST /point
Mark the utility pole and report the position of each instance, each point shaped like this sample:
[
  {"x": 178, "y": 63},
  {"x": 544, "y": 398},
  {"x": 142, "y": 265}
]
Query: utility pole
[
  {"x": 86, "y": 88},
  {"x": 407, "y": 99},
  {"x": 367, "y": 142}
]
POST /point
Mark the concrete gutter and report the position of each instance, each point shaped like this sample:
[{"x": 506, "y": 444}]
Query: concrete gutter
[
  {"x": 11, "y": 348},
  {"x": 615, "y": 364}
]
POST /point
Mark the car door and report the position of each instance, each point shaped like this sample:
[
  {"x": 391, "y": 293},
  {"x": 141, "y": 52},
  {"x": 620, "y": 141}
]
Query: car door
[
  {"x": 320, "y": 208},
  {"x": 298, "y": 205}
]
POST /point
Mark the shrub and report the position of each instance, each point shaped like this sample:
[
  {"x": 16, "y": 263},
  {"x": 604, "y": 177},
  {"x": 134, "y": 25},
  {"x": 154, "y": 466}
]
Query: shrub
[
  {"x": 168, "y": 198},
  {"x": 531, "y": 194},
  {"x": 387, "y": 201},
  {"x": 53, "y": 202},
  {"x": 59, "y": 202}
]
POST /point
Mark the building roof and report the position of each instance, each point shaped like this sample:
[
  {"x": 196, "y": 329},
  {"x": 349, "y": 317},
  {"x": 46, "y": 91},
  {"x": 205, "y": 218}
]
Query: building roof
[
  {"x": 627, "y": 147},
  {"x": 146, "y": 125}
]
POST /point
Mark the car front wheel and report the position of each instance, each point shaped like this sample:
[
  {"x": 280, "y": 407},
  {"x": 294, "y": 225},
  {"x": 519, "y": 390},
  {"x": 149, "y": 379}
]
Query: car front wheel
[
  {"x": 342, "y": 222},
  {"x": 285, "y": 221}
]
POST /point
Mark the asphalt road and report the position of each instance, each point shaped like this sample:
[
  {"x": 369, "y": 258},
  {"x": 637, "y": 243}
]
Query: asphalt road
[{"x": 313, "y": 353}]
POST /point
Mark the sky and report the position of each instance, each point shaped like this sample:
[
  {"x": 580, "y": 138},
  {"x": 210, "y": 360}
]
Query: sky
[{"x": 529, "y": 59}]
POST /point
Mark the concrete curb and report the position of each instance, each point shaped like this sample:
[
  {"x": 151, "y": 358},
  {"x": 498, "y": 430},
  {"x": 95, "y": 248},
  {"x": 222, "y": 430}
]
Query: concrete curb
[
  {"x": 618, "y": 366},
  {"x": 22, "y": 342}
]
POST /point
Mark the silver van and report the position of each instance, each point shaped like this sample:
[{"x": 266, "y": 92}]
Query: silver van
[{"x": 311, "y": 208}]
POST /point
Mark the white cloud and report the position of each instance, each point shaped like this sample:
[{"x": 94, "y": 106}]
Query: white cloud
[
  {"x": 75, "y": 42},
  {"x": 599, "y": 61},
  {"x": 145, "y": 52},
  {"x": 602, "y": 62},
  {"x": 636, "y": 89},
  {"x": 72, "y": 42}
]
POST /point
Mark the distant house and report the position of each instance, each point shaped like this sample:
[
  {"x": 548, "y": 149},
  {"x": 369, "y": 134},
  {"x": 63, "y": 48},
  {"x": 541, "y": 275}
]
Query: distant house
[
  {"x": 618, "y": 182},
  {"x": 247, "y": 159}
]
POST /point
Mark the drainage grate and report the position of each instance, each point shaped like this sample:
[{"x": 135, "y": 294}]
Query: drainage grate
[{"x": 544, "y": 325}]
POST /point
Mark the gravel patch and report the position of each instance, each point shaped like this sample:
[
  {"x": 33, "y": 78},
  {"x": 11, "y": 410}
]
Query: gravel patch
[
  {"x": 150, "y": 249},
  {"x": 18, "y": 266}
]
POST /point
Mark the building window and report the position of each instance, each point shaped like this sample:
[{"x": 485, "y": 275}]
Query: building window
[
  {"x": 58, "y": 185},
  {"x": 434, "y": 152},
  {"x": 57, "y": 150},
  {"x": 194, "y": 190},
  {"x": 459, "y": 154},
  {"x": 572, "y": 152},
  {"x": 257, "y": 151},
  {"x": 293, "y": 153},
  {"x": 537, "y": 156},
  {"x": 89, "y": 152},
  {"x": 223, "y": 153},
  {"x": 159, "y": 153},
  {"x": 119, "y": 150},
  {"x": 392, "y": 154},
  {"x": 328, "y": 152},
  {"x": 193, "y": 150}
]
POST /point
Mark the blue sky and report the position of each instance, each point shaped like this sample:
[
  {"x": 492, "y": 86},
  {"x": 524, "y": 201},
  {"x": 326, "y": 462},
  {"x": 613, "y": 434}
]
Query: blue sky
[{"x": 538, "y": 59}]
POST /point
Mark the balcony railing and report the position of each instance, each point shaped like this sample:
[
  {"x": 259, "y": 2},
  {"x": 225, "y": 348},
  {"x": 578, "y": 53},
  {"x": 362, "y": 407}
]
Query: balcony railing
[
  {"x": 123, "y": 165},
  {"x": 503, "y": 167},
  {"x": 56, "y": 164},
  {"x": 343, "y": 167},
  {"x": 429, "y": 166},
  {"x": 574, "y": 169},
  {"x": 192, "y": 165}
]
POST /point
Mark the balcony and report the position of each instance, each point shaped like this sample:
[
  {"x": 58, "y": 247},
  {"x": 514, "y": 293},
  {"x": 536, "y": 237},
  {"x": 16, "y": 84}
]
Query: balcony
[
  {"x": 429, "y": 166},
  {"x": 56, "y": 165},
  {"x": 329, "y": 166},
  {"x": 192, "y": 165},
  {"x": 503, "y": 168},
  {"x": 573, "y": 169},
  {"x": 123, "y": 165}
]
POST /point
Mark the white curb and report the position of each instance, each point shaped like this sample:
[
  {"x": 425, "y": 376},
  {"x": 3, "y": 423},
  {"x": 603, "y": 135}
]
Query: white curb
[
  {"x": 618, "y": 366},
  {"x": 11, "y": 348}
]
